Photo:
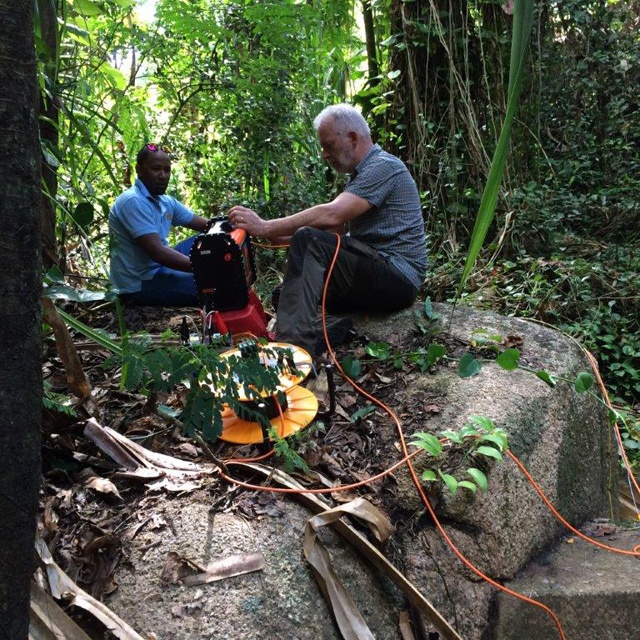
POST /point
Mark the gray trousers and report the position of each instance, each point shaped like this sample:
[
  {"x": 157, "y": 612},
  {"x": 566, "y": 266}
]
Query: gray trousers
[{"x": 361, "y": 280}]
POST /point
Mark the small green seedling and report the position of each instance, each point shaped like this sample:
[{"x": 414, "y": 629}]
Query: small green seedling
[{"x": 478, "y": 439}]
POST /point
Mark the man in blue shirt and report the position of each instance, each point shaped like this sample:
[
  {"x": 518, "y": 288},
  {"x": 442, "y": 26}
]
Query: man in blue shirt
[
  {"x": 382, "y": 259},
  {"x": 144, "y": 268}
]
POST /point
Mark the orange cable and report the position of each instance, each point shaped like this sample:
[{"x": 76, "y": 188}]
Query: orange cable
[
  {"x": 554, "y": 511},
  {"x": 343, "y": 487},
  {"x": 616, "y": 428}
]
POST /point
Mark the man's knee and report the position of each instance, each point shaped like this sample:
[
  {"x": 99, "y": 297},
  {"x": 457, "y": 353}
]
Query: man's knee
[{"x": 304, "y": 236}]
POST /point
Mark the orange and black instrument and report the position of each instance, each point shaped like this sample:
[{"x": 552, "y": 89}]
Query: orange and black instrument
[{"x": 223, "y": 266}]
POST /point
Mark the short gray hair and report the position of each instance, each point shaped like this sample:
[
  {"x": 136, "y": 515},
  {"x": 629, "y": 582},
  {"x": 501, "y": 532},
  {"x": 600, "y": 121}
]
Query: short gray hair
[{"x": 346, "y": 117}]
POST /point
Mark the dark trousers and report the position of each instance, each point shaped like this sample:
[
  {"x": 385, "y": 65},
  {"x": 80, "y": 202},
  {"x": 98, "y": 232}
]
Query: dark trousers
[
  {"x": 361, "y": 280},
  {"x": 168, "y": 287}
]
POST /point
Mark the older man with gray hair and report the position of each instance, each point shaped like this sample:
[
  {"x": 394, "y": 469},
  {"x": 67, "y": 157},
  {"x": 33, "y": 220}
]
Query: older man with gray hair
[{"x": 382, "y": 259}]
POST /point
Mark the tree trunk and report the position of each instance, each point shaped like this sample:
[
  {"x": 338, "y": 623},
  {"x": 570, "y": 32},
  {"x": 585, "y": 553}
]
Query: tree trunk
[
  {"x": 373, "y": 68},
  {"x": 20, "y": 315},
  {"x": 451, "y": 76}
]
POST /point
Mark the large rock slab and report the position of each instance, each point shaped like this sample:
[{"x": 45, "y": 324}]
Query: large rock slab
[
  {"x": 282, "y": 601},
  {"x": 562, "y": 437},
  {"x": 594, "y": 592}
]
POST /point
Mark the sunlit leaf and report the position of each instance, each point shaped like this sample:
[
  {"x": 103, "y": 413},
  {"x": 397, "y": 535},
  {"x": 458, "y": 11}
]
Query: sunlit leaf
[
  {"x": 450, "y": 481},
  {"x": 509, "y": 359},
  {"x": 496, "y": 438},
  {"x": 490, "y": 452},
  {"x": 428, "y": 475},
  {"x": 478, "y": 477},
  {"x": 453, "y": 436},
  {"x": 378, "y": 350},
  {"x": 87, "y": 7},
  {"x": 468, "y": 485},
  {"x": 483, "y": 422},
  {"x": 428, "y": 442}
]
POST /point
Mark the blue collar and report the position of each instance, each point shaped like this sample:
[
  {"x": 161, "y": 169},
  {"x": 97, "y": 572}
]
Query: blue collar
[{"x": 144, "y": 191}]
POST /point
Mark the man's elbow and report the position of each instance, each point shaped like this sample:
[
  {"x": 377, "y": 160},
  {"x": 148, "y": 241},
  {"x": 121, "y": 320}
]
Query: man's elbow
[{"x": 333, "y": 218}]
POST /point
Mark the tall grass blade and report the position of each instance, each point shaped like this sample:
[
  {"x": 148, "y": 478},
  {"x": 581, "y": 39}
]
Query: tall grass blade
[{"x": 522, "y": 23}]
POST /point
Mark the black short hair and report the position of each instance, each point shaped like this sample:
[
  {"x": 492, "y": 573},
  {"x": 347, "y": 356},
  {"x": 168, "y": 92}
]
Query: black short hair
[{"x": 143, "y": 154}]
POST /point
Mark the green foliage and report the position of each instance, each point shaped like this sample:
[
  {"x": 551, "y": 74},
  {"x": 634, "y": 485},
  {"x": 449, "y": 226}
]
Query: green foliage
[
  {"x": 453, "y": 451},
  {"x": 211, "y": 381},
  {"x": 231, "y": 87},
  {"x": 629, "y": 423},
  {"x": 523, "y": 20},
  {"x": 56, "y": 401},
  {"x": 469, "y": 366}
]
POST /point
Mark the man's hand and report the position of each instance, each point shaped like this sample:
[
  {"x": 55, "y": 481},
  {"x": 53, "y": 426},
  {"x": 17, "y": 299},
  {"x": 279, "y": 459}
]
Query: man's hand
[{"x": 249, "y": 220}]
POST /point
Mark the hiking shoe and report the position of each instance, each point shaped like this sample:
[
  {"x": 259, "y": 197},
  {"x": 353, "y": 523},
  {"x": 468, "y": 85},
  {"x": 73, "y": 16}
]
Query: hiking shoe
[{"x": 339, "y": 330}]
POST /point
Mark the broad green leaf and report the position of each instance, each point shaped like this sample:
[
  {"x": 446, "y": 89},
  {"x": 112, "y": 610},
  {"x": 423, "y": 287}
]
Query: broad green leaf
[
  {"x": 351, "y": 366},
  {"x": 496, "y": 438},
  {"x": 547, "y": 378},
  {"x": 362, "y": 413},
  {"x": 468, "y": 431},
  {"x": 453, "y": 436},
  {"x": 87, "y": 7},
  {"x": 428, "y": 442},
  {"x": 429, "y": 475},
  {"x": 469, "y": 366},
  {"x": 435, "y": 352},
  {"x": 378, "y": 350},
  {"x": 490, "y": 452},
  {"x": 468, "y": 485},
  {"x": 450, "y": 481},
  {"x": 483, "y": 422},
  {"x": 584, "y": 382},
  {"x": 478, "y": 477},
  {"x": 509, "y": 359}
]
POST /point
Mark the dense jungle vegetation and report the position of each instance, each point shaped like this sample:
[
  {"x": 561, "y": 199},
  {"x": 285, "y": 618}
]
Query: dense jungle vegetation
[{"x": 232, "y": 86}]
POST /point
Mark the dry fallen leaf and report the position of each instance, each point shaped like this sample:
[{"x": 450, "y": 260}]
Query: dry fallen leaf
[
  {"x": 89, "y": 478},
  {"x": 176, "y": 568},
  {"x": 513, "y": 342}
]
